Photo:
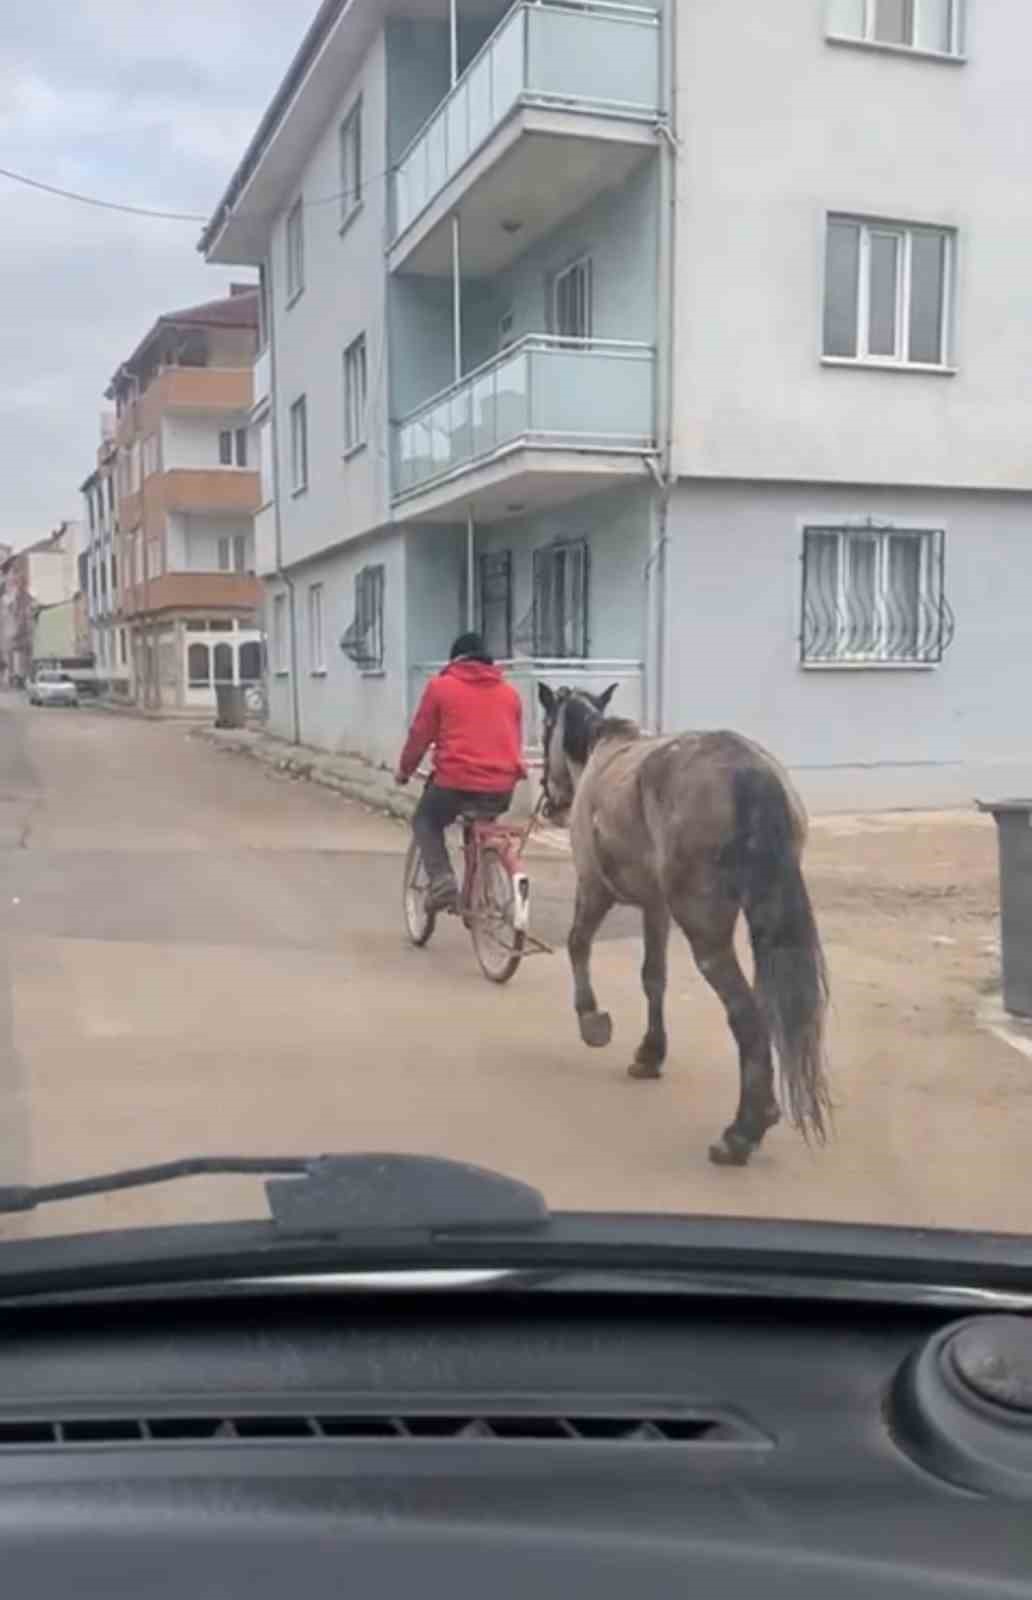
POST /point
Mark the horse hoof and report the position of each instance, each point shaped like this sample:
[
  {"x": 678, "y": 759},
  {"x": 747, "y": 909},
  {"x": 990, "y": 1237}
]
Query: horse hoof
[
  {"x": 730, "y": 1153},
  {"x": 644, "y": 1069},
  {"x": 596, "y": 1029}
]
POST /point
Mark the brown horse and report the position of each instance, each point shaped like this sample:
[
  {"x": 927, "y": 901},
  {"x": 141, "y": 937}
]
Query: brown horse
[{"x": 697, "y": 827}]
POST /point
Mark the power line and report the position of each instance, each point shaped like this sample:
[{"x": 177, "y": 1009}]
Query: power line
[{"x": 156, "y": 214}]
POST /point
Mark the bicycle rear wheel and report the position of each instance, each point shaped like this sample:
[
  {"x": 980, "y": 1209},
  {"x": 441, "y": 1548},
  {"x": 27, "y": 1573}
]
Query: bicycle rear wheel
[
  {"x": 498, "y": 912},
  {"x": 419, "y": 919}
]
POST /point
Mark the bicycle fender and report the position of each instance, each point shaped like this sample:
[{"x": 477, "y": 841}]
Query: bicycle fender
[{"x": 521, "y": 907}]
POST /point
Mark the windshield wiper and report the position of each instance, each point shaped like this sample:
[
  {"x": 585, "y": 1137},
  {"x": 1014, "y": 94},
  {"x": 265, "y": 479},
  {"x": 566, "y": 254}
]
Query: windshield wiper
[{"x": 313, "y": 1194}]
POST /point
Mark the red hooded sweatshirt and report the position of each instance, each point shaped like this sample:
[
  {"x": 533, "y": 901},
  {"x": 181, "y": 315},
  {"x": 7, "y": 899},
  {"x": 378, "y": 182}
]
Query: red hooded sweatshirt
[{"x": 474, "y": 720}]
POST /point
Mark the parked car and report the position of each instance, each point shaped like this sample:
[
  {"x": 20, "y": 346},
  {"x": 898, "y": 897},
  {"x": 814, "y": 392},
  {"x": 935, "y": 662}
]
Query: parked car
[{"x": 52, "y": 689}]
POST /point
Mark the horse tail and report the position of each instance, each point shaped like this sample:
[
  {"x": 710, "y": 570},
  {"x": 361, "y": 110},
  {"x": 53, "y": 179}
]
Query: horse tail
[{"x": 791, "y": 977}]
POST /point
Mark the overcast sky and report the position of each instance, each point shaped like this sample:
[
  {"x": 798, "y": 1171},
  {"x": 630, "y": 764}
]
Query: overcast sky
[{"x": 102, "y": 96}]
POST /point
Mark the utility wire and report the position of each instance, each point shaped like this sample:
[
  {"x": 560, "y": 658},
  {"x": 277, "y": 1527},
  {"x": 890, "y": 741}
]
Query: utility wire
[{"x": 176, "y": 216}]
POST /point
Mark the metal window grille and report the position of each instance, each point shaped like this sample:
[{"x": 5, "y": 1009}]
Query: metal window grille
[
  {"x": 560, "y": 615},
  {"x": 875, "y": 595},
  {"x": 363, "y": 641},
  {"x": 571, "y": 301},
  {"x": 494, "y": 603}
]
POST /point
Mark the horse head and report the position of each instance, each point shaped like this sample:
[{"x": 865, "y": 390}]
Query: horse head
[{"x": 572, "y": 720}]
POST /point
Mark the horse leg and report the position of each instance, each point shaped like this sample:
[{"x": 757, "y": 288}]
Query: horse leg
[
  {"x": 651, "y": 1053},
  {"x": 593, "y": 904},
  {"x": 757, "y": 1106},
  {"x": 708, "y": 919}
]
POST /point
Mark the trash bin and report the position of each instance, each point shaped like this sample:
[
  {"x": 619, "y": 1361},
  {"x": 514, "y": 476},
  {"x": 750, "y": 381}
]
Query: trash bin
[
  {"x": 1014, "y": 831},
  {"x": 230, "y": 706}
]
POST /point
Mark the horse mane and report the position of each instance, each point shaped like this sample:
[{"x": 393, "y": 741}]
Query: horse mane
[{"x": 616, "y": 728}]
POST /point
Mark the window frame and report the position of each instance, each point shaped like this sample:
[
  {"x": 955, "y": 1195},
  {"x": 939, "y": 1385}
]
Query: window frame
[
  {"x": 295, "y": 244},
  {"x": 581, "y": 264},
  {"x": 278, "y": 630},
  {"x": 299, "y": 445},
  {"x": 240, "y": 447},
  {"x": 370, "y": 611},
  {"x": 582, "y": 648},
  {"x": 867, "y": 39},
  {"x": 934, "y": 623},
  {"x": 905, "y": 233},
  {"x": 349, "y": 149},
  {"x": 355, "y": 359},
  {"x": 498, "y": 564},
  {"x": 225, "y": 447},
  {"x": 316, "y": 614}
]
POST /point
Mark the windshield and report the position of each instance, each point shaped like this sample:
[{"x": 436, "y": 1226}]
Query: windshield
[{"x": 538, "y": 500}]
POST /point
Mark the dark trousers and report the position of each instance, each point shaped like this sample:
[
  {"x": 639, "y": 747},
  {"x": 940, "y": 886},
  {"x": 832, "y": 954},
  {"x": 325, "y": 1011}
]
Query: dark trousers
[{"x": 437, "y": 810}]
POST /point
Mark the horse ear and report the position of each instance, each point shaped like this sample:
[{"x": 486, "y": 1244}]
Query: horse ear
[
  {"x": 547, "y": 699},
  {"x": 602, "y": 700}
]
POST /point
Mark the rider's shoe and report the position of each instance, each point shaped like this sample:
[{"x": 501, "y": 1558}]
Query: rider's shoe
[{"x": 443, "y": 895}]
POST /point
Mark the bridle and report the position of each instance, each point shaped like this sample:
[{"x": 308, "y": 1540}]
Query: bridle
[{"x": 546, "y": 802}]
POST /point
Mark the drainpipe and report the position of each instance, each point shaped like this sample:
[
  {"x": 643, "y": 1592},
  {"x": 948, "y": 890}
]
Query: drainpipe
[
  {"x": 453, "y": 28},
  {"x": 655, "y": 574},
  {"x": 471, "y": 571},
  {"x": 281, "y": 573},
  {"x": 456, "y": 256}
]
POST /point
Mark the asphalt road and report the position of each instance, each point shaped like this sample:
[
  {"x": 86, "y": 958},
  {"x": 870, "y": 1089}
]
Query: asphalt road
[{"x": 199, "y": 956}]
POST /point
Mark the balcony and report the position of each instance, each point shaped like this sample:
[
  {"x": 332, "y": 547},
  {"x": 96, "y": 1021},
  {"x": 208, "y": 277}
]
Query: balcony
[
  {"x": 192, "y": 591},
  {"x": 525, "y": 674},
  {"x": 197, "y": 390},
  {"x": 226, "y": 490},
  {"x": 595, "y": 398},
  {"x": 559, "y": 104}
]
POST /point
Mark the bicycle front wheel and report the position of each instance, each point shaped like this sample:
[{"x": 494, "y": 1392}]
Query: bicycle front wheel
[
  {"x": 419, "y": 919},
  {"x": 499, "y": 916}
]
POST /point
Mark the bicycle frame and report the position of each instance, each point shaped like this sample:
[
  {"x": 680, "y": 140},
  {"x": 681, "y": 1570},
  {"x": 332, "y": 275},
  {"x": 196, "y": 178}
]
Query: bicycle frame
[{"x": 508, "y": 840}]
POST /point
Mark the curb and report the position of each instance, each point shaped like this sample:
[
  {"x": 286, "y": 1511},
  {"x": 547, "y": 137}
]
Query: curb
[{"x": 297, "y": 762}]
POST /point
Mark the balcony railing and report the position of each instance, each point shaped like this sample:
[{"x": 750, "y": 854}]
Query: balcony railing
[
  {"x": 589, "y": 57},
  {"x": 584, "y": 394},
  {"x": 592, "y": 675}
]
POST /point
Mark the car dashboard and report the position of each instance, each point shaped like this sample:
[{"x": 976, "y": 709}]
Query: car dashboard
[{"x": 510, "y": 1439}]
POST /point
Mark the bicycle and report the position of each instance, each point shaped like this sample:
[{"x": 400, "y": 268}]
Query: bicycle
[{"x": 494, "y": 898}]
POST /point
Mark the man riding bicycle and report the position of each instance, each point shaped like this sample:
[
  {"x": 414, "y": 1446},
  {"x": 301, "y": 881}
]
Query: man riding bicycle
[{"x": 474, "y": 720}]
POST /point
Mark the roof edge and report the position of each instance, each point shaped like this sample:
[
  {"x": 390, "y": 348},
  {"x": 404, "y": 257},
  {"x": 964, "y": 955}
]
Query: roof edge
[{"x": 326, "y": 19}]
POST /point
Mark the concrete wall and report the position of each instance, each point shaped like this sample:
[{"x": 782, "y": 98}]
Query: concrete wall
[
  {"x": 346, "y": 710},
  {"x": 857, "y": 738},
  {"x": 778, "y": 127},
  {"x": 54, "y": 632},
  {"x": 344, "y": 296}
]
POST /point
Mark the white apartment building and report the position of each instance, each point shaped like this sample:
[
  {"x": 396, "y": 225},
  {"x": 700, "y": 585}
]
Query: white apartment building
[{"x": 682, "y": 346}]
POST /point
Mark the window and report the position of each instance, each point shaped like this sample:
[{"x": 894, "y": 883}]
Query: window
[
  {"x": 233, "y": 447},
  {"x": 280, "y": 657},
  {"x": 198, "y": 666},
  {"x": 887, "y": 293},
  {"x": 111, "y": 494},
  {"x": 351, "y": 163},
  {"x": 233, "y": 553},
  {"x": 250, "y": 661},
  {"x": 151, "y": 455},
  {"x": 363, "y": 641},
  {"x": 295, "y": 251},
  {"x": 121, "y": 647},
  {"x": 91, "y": 508},
  {"x": 223, "y": 662},
  {"x": 355, "y": 394},
  {"x": 932, "y": 25},
  {"x": 506, "y": 336},
  {"x": 874, "y": 595},
  {"x": 561, "y": 601},
  {"x": 316, "y": 652},
  {"x": 299, "y": 445},
  {"x": 494, "y": 602},
  {"x": 571, "y": 301}
]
